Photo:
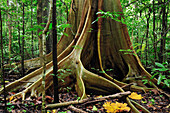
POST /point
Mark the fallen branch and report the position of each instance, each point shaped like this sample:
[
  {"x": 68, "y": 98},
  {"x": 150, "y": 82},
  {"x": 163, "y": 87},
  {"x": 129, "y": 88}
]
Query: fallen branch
[
  {"x": 117, "y": 95},
  {"x": 72, "y": 108}
]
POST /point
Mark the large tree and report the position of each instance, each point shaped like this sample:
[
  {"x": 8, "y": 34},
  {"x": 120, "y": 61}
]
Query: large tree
[{"x": 89, "y": 58}]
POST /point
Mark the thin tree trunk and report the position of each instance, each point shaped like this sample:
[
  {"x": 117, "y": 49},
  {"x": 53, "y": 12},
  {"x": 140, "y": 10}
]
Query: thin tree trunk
[
  {"x": 66, "y": 8},
  {"x": 44, "y": 20},
  {"x": 154, "y": 35},
  {"x": 43, "y": 57},
  {"x": 45, "y": 14},
  {"x": 2, "y": 65},
  {"x": 163, "y": 35},
  {"x": 19, "y": 42},
  {"x": 55, "y": 68},
  {"x": 19, "y": 38},
  {"x": 147, "y": 38},
  {"x": 137, "y": 38},
  {"x": 39, "y": 21},
  {"x": 22, "y": 51},
  {"x": 32, "y": 33},
  {"x": 10, "y": 32}
]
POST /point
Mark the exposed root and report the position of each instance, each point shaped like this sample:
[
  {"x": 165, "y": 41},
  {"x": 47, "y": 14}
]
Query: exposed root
[{"x": 140, "y": 107}]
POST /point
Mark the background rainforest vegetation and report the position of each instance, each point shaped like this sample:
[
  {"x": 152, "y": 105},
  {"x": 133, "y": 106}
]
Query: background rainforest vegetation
[
  {"x": 147, "y": 22},
  {"x": 23, "y": 23}
]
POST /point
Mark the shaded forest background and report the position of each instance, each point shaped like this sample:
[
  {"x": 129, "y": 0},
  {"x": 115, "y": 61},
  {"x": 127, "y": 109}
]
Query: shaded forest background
[{"x": 147, "y": 22}]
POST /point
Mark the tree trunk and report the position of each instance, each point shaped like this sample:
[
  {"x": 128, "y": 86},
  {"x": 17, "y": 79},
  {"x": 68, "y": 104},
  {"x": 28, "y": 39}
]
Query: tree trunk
[
  {"x": 22, "y": 49},
  {"x": 2, "y": 65},
  {"x": 10, "y": 32},
  {"x": 39, "y": 21},
  {"x": 154, "y": 34},
  {"x": 147, "y": 37},
  {"x": 91, "y": 60},
  {"x": 45, "y": 14},
  {"x": 163, "y": 35},
  {"x": 32, "y": 32},
  {"x": 55, "y": 68}
]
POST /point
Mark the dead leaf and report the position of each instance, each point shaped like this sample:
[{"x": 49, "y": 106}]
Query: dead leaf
[
  {"x": 156, "y": 92},
  {"x": 135, "y": 96},
  {"x": 99, "y": 96},
  {"x": 12, "y": 97},
  {"x": 116, "y": 107}
]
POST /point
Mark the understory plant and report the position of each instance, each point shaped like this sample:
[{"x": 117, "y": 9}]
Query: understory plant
[{"x": 162, "y": 72}]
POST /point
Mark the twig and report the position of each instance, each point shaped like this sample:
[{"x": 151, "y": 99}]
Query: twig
[
  {"x": 50, "y": 106},
  {"x": 71, "y": 107},
  {"x": 26, "y": 109},
  {"x": 127, "y": 85},
  {"x": 118, "y": 95}
]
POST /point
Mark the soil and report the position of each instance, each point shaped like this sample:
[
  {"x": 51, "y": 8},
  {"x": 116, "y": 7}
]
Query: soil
[{"x": 154, "y": 101}]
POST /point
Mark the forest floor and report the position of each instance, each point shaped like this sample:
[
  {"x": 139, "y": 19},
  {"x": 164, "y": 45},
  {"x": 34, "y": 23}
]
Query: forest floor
[{"x": 153, "y": 101}]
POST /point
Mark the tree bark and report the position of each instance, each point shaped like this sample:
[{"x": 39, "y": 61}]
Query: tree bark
[
  {"x": 10, "y": 32},
  {"x": 22, "y": 49},
  {"x": 45, "y": 14},
  {"x": 55, "y": 68},
  {"x": 163, "y": 35},
  {"x": 39, "y": 21},
  {"x": 154, "y": 34},
  {"x": 2, "y": 65},
  {"x": 147, "y": 37},
  {"x": 32, "y": 32}
]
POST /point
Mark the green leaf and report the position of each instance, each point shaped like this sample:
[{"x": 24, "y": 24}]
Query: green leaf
[
  {"x": 40, "y": 33},
  {"x": 145, "y": 81},
  {"x": 162, "y": 69},
  {"x": 154, "y": 75},
  {"x": 68, "y": 69},
  {"x": 159, "y": 64},
  {"x": 64, "y": 26},
  {"x": 167, "y": 82},
  {"x": 93, "y": 68},
  {"x": 143, "y": 47},
  {"x": 159, "y": 79},
  {"x": 65, "y": 34},
  {"x": 94, "y": 108},
  {"x": 101, "y": 71},
  {"x": 78, "y": 98},
  {"x": 154, "y": 69},
  {"x": 121, "y": 50},
  {"x": 50, "y": 27}
]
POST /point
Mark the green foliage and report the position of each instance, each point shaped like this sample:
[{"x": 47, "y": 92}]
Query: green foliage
[
  {"x": 10, "y": 107},
  {"x": 104, "y": 71},
  {"x": 128, "y": 51},
  {"x": 152, "y": 101},
  {"x": 15, "y": 12},
  {"x": 136, "y": 13},
  {"x": 68, "y": 111},
  {"x": 117, "y": 16},
  {"x": 94, "y": 108},
  {"x": 160, "y": 71},
  {"x": 77, "y": 47}
]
